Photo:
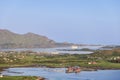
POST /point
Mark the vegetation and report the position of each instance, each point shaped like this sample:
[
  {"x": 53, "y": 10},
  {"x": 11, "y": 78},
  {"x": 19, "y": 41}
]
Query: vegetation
[
  {"x": 18, "y": 78},
  {"x": 101, "y": 59}
]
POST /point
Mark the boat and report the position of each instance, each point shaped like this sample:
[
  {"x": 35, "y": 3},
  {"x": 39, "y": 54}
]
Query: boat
[{"x": 75, "y": 69}]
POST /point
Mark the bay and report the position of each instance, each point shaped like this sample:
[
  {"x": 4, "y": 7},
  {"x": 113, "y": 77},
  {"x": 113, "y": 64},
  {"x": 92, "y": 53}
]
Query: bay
[
  {"x": 52, "y": 50},
  {"x": 59, "y": 73}
]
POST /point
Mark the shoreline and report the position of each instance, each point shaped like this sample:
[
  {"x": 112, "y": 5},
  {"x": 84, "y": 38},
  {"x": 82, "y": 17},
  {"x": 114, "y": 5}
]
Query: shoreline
[
  {"x": 82, "y": 68},
  {"x": 99, "y": 60},
  {"x": 21, "y": 78},
  {"x": 43, "y": 78}
]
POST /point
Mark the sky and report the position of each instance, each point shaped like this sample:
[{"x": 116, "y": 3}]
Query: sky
[{"x": 76, "y": 21}]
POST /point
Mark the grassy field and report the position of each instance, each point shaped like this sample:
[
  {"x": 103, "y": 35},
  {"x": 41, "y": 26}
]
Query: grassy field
[
  {"x": 102, "y": 59},
  {"x": 18, "y": 78}
]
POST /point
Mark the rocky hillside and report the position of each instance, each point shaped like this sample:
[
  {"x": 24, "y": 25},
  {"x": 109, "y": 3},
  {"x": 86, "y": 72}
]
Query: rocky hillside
[{"x": 9, "y": 39}]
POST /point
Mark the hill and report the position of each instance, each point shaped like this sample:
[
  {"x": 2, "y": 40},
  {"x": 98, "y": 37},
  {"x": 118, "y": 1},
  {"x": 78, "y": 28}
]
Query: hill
[{"x": 9, "y": 39}]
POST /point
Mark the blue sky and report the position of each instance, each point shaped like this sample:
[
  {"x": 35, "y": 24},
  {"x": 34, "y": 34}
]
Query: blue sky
[{"x": 77, "y": 21}]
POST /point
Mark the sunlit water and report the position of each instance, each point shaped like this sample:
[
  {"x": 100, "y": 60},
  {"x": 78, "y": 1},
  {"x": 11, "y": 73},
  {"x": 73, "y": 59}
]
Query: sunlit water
[{"x": 59, "y": 74}]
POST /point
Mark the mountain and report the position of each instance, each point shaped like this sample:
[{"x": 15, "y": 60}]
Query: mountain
[{"x": 9, "y": 39}]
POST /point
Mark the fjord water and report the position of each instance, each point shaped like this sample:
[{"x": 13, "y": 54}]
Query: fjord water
[{"x": 59, "y": 74}]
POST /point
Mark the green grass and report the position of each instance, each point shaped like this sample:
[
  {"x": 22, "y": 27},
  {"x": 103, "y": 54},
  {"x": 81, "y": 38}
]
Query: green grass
[
  {"x": 60, "y": 60},
  {"x": 106, "y": 64},
  {"x": 18, "y": 78}
]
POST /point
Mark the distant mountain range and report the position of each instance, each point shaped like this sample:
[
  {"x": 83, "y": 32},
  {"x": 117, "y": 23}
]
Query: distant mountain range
[{"x": 9, "y": 39}]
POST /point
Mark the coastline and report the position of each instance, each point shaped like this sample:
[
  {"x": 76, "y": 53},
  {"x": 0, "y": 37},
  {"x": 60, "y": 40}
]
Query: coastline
[
  {"x": 43, "y": 78},
  {"x": 99, "y": 60},
  {"x": 82, "y": 68}
]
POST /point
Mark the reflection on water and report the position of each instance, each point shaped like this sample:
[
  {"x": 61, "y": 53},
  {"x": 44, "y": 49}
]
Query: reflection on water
[{"x": 59, "y": 74}]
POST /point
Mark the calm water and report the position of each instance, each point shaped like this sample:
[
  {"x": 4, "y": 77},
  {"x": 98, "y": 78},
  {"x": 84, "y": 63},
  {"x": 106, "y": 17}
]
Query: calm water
[
  {"x": 59, "y": 74},
  {"x": 49, "y": 50}
]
